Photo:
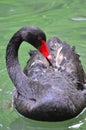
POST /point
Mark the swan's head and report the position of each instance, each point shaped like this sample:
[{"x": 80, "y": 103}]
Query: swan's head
[{"x": 37, "y": 38}]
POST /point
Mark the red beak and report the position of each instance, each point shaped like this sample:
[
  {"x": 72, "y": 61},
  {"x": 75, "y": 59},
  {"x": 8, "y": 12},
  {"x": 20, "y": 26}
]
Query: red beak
[{"x": 44, "y": 50}]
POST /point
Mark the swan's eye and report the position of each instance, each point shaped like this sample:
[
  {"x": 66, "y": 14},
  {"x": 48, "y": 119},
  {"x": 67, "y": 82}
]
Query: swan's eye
[{"x": 40, "y": 39}]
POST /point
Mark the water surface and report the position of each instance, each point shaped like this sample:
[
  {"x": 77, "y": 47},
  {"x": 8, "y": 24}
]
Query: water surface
[{"x": 63, "y": 18}]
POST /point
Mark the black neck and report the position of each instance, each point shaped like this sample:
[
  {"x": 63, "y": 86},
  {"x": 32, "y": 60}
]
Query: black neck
[{"x": 16, "y": 74}]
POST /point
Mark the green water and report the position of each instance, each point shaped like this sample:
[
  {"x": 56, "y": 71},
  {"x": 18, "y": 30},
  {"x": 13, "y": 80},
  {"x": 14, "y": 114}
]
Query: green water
[{"x": 63, "y": 18}]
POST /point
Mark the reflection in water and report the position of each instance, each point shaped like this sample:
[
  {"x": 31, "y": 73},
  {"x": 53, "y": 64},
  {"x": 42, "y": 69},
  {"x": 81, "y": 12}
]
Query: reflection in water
[
  {"x": 76, "y": 125},
  {"x": 21, "y": 123},
  {"x": 25, "y": 124},
  {"x": 31, "y": 125}
]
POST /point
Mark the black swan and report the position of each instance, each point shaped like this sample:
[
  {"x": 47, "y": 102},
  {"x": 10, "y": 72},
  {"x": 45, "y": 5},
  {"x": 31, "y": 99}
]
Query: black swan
[{"x": 52, "y": 85}]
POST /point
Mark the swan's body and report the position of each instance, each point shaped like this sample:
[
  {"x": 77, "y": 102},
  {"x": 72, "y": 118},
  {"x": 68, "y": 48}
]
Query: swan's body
[{"x": 44, "y": 92}]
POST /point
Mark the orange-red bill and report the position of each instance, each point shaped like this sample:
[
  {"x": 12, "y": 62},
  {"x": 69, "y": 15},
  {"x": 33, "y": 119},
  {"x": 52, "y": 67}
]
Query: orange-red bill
[{"x": 44, "y": 50}]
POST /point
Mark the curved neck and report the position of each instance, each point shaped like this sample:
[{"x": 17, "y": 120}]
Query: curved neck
[{"x": 17, "y": 76}]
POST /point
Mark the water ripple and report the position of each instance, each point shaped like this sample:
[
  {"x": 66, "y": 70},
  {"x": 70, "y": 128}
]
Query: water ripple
[
  {"x": 76, "y": 125},
  {"x": 79, "y": 19}
]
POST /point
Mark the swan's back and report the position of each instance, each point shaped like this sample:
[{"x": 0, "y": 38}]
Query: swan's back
[
  {"x": 58, "y": 91},
  {"x": 65, "y": 62},
  {"x": 66, "y": 59}
]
